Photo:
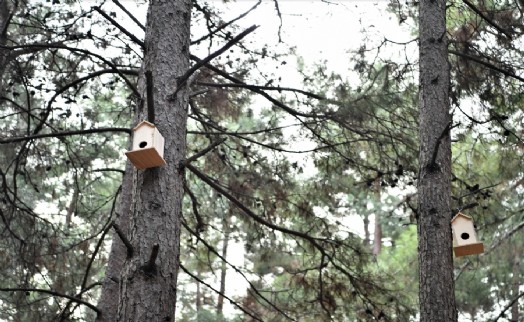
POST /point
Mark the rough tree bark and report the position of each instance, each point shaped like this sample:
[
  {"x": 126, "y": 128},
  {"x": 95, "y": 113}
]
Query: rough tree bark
[
  {"x": 436, "y": 294},
  {"x": 146, "y": 289}
]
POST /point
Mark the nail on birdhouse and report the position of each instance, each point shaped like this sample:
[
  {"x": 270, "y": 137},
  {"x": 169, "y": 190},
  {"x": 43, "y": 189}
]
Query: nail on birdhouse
[
  {"x": 148, "y": 147},
  {"x": 464, "y": 237}
]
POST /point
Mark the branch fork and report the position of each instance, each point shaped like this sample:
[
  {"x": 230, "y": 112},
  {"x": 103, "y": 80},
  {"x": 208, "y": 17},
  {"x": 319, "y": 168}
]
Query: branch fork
[
  {"x": 124, "y": 239},
  {"x": 150, "y": 266}
]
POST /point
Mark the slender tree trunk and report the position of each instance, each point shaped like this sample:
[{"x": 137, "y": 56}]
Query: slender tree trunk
[
  {"x": 223, "y": 268},
  {"x": 366, "y": 230},
  {"x": 108, "y": 302},
  {"x": 516, "y": 282},
  {"x": 4, "y": 21},
  {"x": 377, "y": 235},
  {"x": 198, "y": 295},
  {"x": 436, "y": 294},
  {"x": 146, "y": 290}
]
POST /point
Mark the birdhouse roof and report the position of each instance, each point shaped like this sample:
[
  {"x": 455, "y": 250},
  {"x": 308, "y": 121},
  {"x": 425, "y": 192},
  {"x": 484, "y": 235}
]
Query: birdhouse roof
[
  {"x": 143, "y": 123},
  {"x": 461, "y": 215}
]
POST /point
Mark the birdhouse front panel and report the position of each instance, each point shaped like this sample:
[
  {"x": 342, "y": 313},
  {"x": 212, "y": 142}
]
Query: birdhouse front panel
[
  {"x": 148, "y": 147},
  {"x": 464, "y": 231},
  {"x": 143, "y": 136}
]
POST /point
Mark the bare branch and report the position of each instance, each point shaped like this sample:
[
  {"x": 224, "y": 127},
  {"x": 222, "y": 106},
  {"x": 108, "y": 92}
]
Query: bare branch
[
  {"x": 101, "y": 239},
  {"x": 122, "y": 29},
  {"x": 211, "y": 33},
  {"x": 433, "y": 162},
  {"x": 183, "y": 79},
  {"x": 150, "y": 98},
  {"x": 489, "y": 21},
  {"x": 279, "y": 14},
  {"x": 218, "y": 292},
  {"x": 250, "y": 213},
  {"x": 75, "y": 50},
  {"x": 240, "y": 135},
  {"x": 150, "y": 266},
  {"x": 124, "y": 239},
  {"x": 129, "y": 14},
  {"x": 72, "y": 298},
  {"x": 209, "y": 148},
  {"x": 63, "y": 134},
  {"x": 83, "y": 288},
  {"x": 510, "y": 304},
  {"x": 271, "y": 88},
  {"x": 236, "y": 269},
  {"x": 8, "y": 226},
  {"x": 485, "y": 63},
  {"x": 258, "y": 91},
  {"x": 194, "y": 203},
  {"x": 109, "y": 170}
]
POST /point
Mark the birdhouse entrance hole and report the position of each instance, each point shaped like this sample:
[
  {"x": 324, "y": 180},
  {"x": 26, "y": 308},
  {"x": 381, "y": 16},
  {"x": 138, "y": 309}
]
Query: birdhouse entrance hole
[
  {"x": 464, "y": 236},
  {"x": 142, "y": 144}
]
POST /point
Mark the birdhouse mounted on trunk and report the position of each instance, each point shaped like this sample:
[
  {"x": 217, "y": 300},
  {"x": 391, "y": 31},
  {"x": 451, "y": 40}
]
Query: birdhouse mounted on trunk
[
  {"x": 148, "y": 147},
  {"x": 464, "y": 236}
]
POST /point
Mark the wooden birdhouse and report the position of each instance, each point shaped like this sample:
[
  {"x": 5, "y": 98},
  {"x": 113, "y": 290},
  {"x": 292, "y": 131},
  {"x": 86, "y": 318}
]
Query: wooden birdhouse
[
  {"x": 464, "y": 236},
  {"x": 148, "y": 147}
]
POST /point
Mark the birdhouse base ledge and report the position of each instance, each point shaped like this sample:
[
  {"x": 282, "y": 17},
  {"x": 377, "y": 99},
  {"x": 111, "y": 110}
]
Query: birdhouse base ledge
[
  {"x": 470, "y": 249},
  {"x": 145, "y": 158}
]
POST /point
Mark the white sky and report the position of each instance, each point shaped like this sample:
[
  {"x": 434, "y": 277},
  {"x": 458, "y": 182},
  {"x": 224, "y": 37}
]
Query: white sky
[{"x": 320, "y": 31}]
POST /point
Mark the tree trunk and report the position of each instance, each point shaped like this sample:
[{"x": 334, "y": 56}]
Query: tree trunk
[
  {"x": 108, "y": 302},
  {"x": 223, "y": 268},
  {"x": 198, "y": 295},
  {"x": 366, "y": 230},
  {"x": 516, "y": 283},
  {"x": 436, "y": 294},
  {"x": 377, "y": 235},
  {"x": 4, "y": 21},
  {"x": 147, "y": 288}
]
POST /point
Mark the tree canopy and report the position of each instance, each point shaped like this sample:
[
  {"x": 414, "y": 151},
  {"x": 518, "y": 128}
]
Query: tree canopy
[{"x": 299, "y": 180}]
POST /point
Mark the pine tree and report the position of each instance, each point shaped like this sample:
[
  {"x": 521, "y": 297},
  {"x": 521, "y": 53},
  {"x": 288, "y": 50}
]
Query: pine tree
[
  {"x": 147, "y": 285},
  {"x": 436, "y": 294}
]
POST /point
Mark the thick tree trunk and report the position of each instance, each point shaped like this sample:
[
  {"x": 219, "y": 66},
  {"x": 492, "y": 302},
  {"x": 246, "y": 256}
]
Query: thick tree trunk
[
  {"x": 148, "y": 292},
  {"x": 436, "y": 294}
]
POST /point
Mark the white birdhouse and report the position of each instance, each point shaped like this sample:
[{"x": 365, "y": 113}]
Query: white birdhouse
[
  {"x": 464, "y": 236},
  {"x": 148, "y": 147}
]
